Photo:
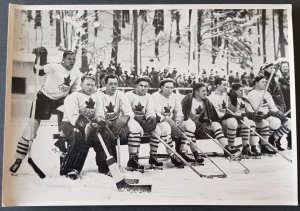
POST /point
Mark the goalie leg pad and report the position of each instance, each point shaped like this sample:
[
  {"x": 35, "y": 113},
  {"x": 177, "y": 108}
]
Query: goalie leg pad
[{"x": 74, "y": 159}]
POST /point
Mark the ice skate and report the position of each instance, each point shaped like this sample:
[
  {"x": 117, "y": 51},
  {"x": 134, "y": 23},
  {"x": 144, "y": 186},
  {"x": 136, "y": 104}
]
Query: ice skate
[
  {"x": 154, "y": 163},
  {"x": 186, "y": 156},
  {"x": 255, "y": 152},
  {"x": 266, "y": 150},
  {"x": 133, "y": 165},
  {"x": 14, "y": 168},
  {"x": 199, "y": 160},
  {"x": 232, "y": 150},
  {"x": 178, "y": 163},
  {"x": 74, "y": 175}
]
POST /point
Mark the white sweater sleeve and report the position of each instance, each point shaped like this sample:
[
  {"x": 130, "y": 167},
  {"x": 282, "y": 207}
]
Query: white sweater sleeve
[
  {"x": 125, "y": 105},
  {"x": 99, "y": 105},
  {"x": 71, "y": 108},
  {"x": 150, "y": 110}
]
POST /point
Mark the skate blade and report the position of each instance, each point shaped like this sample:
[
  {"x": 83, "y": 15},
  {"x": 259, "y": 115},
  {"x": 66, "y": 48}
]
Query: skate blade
[
  {"x": 134, "y": 169},
  {"x": 131, "y": 181},
  {"x": 197, "y": 164},
  {"x": 153, "y": 167}
]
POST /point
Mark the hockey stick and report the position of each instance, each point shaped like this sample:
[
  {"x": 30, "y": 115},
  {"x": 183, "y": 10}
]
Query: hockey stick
[
  {"x": 36, "y": 169},
  {"x": 181, "y": 158},
  {"x": 231, "y": 155},
  {"x": 286, "y": 113},
  {"x": 270, "y": 145},
  {"x": 198, "y": 148},
  {"x": 119, "y": 152},
  {"x": 265, "y": 90},
  {"x": 121, "y": 183}
]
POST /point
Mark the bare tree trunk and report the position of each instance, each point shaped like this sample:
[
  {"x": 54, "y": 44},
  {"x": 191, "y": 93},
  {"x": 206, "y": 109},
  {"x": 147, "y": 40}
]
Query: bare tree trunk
[
  {"x": 274, "y": 37},
  {"x": 84, "y": 38},
  {"x": 199, "y": 37},
  {"x": 177, "y": 27},
  {"x": 258, "y": 34},
  {"x": 189, "y": 36},
  {"x": 58, "y": 35},
  {"x": 169, "y": 47},
  {"x": 116, "y": 35},
  {"x": 135, "y": 40},
  {"x": 282, "y": 40},
  {"x": 263, "y": 23}
]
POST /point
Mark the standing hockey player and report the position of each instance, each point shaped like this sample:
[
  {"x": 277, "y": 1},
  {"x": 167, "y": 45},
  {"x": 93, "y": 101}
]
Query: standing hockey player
[
  {"x": 262, "y": 101},
  {"x": 201, "y": 118},
  {"x": 80, "y": 126},
  {"x": 116, "y": 109},
  {"x": 241, "y": 106},
  {"x": 142, "y": 105},
  {"x": 62, "y": 79},
  {"x": 284, "y": 82},
  {"x": 169, "y": 116},
  {"x": 228, "y": 121}
]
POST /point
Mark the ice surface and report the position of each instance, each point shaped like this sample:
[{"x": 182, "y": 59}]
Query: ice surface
[{"x": 272, "y": 180}]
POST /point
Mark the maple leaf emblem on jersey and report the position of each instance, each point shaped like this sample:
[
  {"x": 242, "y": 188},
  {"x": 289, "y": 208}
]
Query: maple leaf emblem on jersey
[
  {"x": 223, "y": 105},
  {"x": 265, "y": 101},
  {"x": 110, "y": 108},
  {"x": 90, "y": 103},
  {"x": 67, "y": 81},
  {"x": 167, "y": 109},
  {"x": 242, "y": 105},
  {"x": 198, "y": 110},
  {"x": 139, "y": 107}
]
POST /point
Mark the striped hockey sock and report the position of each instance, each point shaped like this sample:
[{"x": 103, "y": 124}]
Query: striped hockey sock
[
  {"x": 220, "y": 137},
  {"x": 191, "y": 135},
  {"x": 169, "y": 141},
  {"x": 264, "y": 132},
  {"x": 280, "y": 132},
  {"x": 253, "y": 137},
  {"x": 231, "y": 134},
  {"x": 134, "y": 142},
  {"x": 154, "y": 142},
  {"x": 22, "y": 148},
  {"x": 245, "y": 134}
]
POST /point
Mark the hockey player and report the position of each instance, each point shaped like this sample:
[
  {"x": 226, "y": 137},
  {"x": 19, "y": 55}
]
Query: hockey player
[
  {"x": 80, "y": 125},
  {"x": 228, "y": 121},
  {"x": 62, "y": 79},
  {"x": 261, "y": 100},
  {"x": 284, "y": 82},
  {"x": 116, "y": 109},
  {"x": 201, "y": 118},
  {"x": 142, "y": 105},
  {"x": 241, "y": 106},
  {"x": 169, "y": 116}
]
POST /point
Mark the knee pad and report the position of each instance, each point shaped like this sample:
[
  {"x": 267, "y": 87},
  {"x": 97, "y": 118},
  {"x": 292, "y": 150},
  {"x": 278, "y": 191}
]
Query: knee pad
[
  {"x": 247, "y": 122},
  {"x": 231, "y": 123},
  {"x": 135, "y": 127},
  {"x": 189, "y": 125},
  {"x": 274, "y": 122},
  {"x": 215, "y": 126},
  {"x": 165, "y": 128},
  {"x": 287, "y": 124}
]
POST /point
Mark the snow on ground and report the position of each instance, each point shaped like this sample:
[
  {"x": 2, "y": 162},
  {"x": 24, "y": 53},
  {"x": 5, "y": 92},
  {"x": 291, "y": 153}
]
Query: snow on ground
[{"x": 272, "y": 180}]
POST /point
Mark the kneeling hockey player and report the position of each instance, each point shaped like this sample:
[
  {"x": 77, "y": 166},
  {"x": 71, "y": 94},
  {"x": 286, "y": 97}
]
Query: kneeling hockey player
[{"x": 80, "y": 126}]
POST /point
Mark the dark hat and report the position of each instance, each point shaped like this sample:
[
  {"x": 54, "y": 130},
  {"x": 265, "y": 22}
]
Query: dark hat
[
  {"x": 166, "y": 80},
  {"x": 258, "y": 78},
  {"x": 143, "y": 78},
  {"x": 266, "y": 65}
]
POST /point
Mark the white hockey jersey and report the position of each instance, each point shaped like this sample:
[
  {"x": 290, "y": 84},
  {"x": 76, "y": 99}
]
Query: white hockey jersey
[
  {"x": 79, "y": 103},
  {"x": 167, "y": 107},
  {"x": 267, "y": 104},
  {"x": 111, "y": 107},
  {"x": 141, "y": 105},
  {"x": 219, "y": 102},
  {"x": 60, "y": 81}
]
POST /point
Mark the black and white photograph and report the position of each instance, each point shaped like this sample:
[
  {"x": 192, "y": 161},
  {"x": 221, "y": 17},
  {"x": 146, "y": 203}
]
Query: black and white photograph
[{"x": 150, "y": 105}]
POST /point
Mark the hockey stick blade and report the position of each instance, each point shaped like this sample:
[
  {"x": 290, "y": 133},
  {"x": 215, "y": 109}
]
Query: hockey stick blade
[
  {"x": 124, "y": 186},
  {"x": 37, "y": 170},
  {"x": 132, "y": 181}
]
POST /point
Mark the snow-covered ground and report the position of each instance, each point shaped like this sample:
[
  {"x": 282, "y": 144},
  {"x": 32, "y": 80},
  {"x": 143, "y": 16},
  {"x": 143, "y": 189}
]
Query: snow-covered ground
[{"x": 272, "y": 180}]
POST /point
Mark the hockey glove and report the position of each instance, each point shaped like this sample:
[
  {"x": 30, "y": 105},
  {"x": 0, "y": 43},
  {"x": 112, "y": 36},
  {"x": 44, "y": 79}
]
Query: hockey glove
[
  {"x": 149, "y": 125},
  {"x": 141, "y": 119},
  {"x": 278, "y": 115},
  {"x": 257, "y": 117},
  {"x": 233, "y": 97}
]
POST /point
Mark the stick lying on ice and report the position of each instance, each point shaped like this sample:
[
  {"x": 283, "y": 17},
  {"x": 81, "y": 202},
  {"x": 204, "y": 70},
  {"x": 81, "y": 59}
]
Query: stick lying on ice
[
  {"x": 264, "y": 140},
  {"x": 121, "y": 183},
  {"x": 181, "y": 158},
  {"x": 231, "y": 155}
]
